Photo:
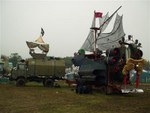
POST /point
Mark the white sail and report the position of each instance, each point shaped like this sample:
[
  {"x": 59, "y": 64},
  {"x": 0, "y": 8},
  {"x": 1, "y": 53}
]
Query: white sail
[
  {"x": 88, "y": 45},
  {"x": 38, "y": 43},
  {"x": 108, "y": 40},
  {"x": 104, "y": 22}
]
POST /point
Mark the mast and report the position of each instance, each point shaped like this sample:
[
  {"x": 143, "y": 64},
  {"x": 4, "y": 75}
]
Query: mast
[{"x": 95, "y": 31}]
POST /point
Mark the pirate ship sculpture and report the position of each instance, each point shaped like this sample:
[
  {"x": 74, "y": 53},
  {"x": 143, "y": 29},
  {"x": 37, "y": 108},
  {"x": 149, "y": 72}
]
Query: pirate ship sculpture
[{"x": 111, "y": 60}]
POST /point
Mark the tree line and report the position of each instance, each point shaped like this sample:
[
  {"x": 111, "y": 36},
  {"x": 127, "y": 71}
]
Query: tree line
[{"x": 15, "y": 57}]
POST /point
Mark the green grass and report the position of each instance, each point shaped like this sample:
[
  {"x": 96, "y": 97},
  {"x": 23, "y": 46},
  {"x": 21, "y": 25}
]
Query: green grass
[{"x": 34, "y": 98}]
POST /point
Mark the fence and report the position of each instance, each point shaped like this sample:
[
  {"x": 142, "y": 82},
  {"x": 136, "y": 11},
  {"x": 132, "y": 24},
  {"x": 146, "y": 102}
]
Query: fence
[{"x": 144, "y": 77}]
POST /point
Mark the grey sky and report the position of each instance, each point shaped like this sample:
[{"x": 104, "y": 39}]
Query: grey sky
[{"x": 66, "y": 23}]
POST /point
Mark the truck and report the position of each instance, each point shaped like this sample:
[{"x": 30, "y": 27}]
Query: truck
[{"x": 39, "y": 68}]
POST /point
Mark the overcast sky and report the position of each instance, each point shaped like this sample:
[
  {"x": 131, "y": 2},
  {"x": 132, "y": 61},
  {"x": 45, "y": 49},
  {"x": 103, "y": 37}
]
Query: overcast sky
[{"x": 66, "y": 23}]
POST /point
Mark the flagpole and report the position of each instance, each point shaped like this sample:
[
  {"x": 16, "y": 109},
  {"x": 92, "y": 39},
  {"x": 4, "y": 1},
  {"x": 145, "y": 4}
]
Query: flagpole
[{"x": 95, "y": 32}]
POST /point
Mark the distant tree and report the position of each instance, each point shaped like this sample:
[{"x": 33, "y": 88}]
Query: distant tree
[
  {"x": 4, "y": 57},
  {"x": 147, "y": 66},
  {"x": 68, "y": 62},
  {"x": 6, "y": 68},
  {"x": 14, "y": 58}
]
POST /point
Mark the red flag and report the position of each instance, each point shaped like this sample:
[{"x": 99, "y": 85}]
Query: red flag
[{"x": 98, "y": 15}]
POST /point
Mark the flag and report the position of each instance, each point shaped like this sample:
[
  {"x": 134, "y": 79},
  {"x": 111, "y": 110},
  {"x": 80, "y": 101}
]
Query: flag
[
  {"x": 98, "y": 15},
  {"x": 42, "y": 31}
]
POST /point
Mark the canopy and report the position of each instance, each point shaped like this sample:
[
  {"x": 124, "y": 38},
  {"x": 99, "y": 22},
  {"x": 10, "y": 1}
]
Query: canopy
[{"x": 38, "y": 43}]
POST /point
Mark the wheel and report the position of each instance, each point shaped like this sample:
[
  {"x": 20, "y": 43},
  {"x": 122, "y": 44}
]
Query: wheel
[
  {"x": 20, "y": 82},
  {"x": 49, "y": 83}
]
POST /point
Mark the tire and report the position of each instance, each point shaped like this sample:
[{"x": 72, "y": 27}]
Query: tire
[
  {"x": 48, "y": 83},
  {"x": 20, "y": 82}
]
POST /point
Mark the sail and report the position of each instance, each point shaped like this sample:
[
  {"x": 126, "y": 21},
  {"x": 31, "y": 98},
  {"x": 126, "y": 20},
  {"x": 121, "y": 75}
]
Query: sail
[
  {"x": 40, "y": 40},
  {"x": 38, "y": 43},
  {"x": 104, "y": 22},
  {"x": 88, "y": 45},
  {"x": 108, "y": 40}
]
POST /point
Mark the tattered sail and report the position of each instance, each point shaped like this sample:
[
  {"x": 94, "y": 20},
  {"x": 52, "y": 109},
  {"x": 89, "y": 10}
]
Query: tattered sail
[
  {"x": 104, "y": 22},
  {"x": 102, "y": 40},
  {"x": 40, "y": 44},
  {"x": 88, "y": 44},
  {"x": 108, "y": 40}
]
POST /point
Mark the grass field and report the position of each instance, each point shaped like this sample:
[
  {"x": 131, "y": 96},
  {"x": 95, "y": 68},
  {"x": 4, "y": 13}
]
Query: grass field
[{"x": 34, "y": 98}]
